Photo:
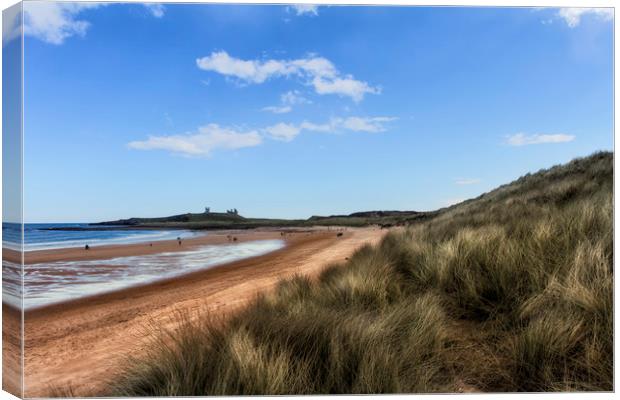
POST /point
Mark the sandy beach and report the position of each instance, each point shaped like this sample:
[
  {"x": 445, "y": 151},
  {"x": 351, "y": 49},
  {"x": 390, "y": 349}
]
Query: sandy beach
[{"x": 79, "y": 344}]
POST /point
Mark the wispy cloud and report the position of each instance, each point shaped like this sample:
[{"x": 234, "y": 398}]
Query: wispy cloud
[
  {"x": 54, "y": 22},
  {"x": 288, "y": 132},
  {"x": 278, "y": 109},
  {"x": 363, "y": 124},
  {"x": 572, "y": 15},
  {"x": 522, "y": 139},
  {"x": 288, "y": 100},
  {"x": 169, "y": 120},
  {"x": 156, "y": 9},
  {"x": 467, "y": 181},
  {"x": 294, "y": 97},
  {"x": 201, "y": 143},
  {"x": 211, "y": 137},
  {"x": 353, "y": 124},
  {"x": 316, "y": 71},
  {"x": 304, "y": 9},
  {"x": 282, "y": 131}
]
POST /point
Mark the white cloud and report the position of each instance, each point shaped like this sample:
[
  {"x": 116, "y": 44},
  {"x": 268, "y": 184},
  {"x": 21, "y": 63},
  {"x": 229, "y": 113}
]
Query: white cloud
[
  {"x": 201, "y": 143},
  {"x": 344, "y": 87},
  {"x": 156, "y": 9},
  {"x": 213, "y": 137},
  {"x": 467, "y": 181},
  {"x": 351, "y": 124},
  {"x": 305, "y": 9},
  {"x": 278, "y": 109},
  {"x": 251, "y": 71},
  {"x": 521, "y": 139},
  {"x": 354, "y": 124},
  {"x": 326, "y": 128},
  {"x": 572, "y": 16},
  {"x": 315, "y": 66},
  {"x": 284, "y": 132},
  {"x": 317, "y": 71},
  {"x": 288, "y": 100},
  {"x": 54, "y": 22},
  {"x": 362, "y": 124},
  {"x": 293, "y": 97}
]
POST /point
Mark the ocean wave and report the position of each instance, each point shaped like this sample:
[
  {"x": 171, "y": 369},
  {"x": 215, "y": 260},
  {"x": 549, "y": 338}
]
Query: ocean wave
[
  {"x": 49, "y": 283},
  {"x": 40, "y": 237}
]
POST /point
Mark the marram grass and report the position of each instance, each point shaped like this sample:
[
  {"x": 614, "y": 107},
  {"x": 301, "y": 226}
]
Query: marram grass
[{"x": 512, "y": 291}]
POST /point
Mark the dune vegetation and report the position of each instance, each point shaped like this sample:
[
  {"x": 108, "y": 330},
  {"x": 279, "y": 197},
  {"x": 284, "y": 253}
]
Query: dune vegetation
[{"x": 511, "y": 291}]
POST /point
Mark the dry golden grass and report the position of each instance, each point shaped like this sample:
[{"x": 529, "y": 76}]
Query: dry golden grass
[{"x": 512, "y": 291}]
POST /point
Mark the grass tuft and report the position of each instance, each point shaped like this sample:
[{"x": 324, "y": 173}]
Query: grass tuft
[{"x": 512, "y": 291}]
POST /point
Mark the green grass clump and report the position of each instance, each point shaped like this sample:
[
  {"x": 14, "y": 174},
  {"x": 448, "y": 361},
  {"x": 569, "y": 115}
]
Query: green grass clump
[{"x": 512, "y": 291}]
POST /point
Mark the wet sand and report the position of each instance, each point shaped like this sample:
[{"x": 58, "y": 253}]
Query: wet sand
[
  {"x": 139, "y": 249},
  {"x": 79, "y": 344}
]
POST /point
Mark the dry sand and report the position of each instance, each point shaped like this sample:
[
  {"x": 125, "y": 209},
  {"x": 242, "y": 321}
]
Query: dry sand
[
  {"x": 11, "y": 350},
  {"x": 79, "y": 344}
]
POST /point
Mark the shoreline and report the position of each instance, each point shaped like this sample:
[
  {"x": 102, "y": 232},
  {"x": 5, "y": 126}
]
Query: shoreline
[
  {"x": 78, "y": 344},
  {"x": 102, "y": 297},
  {"x": 148, "y": 287},
  {"x": 145, "y": 248}
]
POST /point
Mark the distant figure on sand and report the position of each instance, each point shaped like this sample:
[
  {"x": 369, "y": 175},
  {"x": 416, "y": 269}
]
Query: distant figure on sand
[
  {"x": 179, "y": 239},
  {"x": 87, "y": 247}
]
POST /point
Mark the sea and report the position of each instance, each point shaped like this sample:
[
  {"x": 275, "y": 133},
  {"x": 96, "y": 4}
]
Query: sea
[
  {"x": 55, "y": 282},
  {"x": 39, "y": 237}
]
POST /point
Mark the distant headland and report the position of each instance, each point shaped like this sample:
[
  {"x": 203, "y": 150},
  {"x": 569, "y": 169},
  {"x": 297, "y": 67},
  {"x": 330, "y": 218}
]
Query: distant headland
[{"x": 231, "y": 219}]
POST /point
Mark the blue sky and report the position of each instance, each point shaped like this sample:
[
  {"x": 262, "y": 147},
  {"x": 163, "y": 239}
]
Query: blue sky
[{"x": 151, "y": 110}]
